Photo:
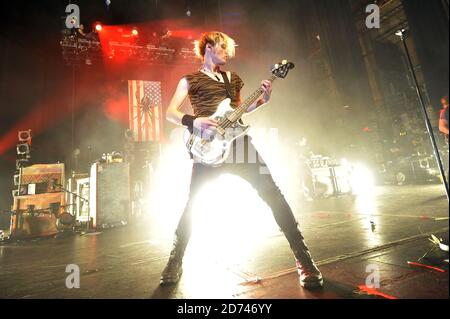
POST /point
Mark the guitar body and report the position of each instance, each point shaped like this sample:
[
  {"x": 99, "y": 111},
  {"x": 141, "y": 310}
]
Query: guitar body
[{"x": 213, "y": 150}]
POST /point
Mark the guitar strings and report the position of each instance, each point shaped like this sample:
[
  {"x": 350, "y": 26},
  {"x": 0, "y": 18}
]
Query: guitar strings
[{"x": 226, "y": 122}]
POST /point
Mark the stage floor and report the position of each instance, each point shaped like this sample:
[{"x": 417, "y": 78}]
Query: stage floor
[{"x": 350, "y": 238}]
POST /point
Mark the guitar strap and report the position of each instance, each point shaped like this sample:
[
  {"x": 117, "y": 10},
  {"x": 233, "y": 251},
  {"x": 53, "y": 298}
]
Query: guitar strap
[
  {"x": 228, "y": 88},
  {"x": 227, "y": 84}
]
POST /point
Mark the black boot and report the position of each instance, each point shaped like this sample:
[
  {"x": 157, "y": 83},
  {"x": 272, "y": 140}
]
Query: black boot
[
  {"x": 172, "y": 273},
  {"x": 310, "y": 275}
]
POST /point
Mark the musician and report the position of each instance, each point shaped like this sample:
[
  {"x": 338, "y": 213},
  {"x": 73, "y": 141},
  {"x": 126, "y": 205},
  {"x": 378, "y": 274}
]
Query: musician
[
  {"x": 154, "y": 39},
  {"x": 83, "y": 34},
  {"x": 443, "y": 125},
  {"x": 167, "y": 40},
  {"x": 443, "y": 117},
  {"x": 205, "y": 89},
  {"x": 80, "y": 31}
]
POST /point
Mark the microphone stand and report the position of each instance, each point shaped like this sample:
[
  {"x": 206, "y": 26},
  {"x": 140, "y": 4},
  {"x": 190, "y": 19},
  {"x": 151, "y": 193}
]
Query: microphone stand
[
  {"x": 403, "y": 35},
  {"x": 60, "y": 187}
]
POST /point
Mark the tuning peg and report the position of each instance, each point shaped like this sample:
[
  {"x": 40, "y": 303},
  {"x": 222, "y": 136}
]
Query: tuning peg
[
  {"x": 284, "y": 62},
  {"x": 276, "y": 66}
]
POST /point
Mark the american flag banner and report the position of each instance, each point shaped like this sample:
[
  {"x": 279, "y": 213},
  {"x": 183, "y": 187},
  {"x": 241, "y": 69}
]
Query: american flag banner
[{"x": 145, "y": 110}]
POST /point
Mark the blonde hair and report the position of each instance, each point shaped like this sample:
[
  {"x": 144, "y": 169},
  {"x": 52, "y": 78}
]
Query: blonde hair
[{"x": 213, "y": 38}]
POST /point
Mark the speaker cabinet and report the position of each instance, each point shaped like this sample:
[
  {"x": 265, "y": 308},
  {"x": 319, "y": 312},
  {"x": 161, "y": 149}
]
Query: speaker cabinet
[
  {"x": 40, "y": 179},
  {"x": 39, "y": 201},
  {"x": 36, "y": 215},
  {"x": 110, "y": 203}
]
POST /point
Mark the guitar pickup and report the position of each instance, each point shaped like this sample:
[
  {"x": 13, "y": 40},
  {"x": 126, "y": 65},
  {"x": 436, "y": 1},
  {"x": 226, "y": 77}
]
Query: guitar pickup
[
  {"x": 220, "y": 130},
  {"x": 190, "y": 141}
]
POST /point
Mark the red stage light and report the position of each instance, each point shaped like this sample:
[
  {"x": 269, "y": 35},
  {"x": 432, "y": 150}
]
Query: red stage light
[
  {"x": 98, "y": 27},
  {"x": 134, "y": 32}
]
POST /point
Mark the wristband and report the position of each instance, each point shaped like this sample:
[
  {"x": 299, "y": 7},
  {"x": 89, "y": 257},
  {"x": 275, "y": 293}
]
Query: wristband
[{"x": 188, "y": 120}]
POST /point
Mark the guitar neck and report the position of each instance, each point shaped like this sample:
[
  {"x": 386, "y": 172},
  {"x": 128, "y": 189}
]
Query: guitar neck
[{"x": 239, "y": 111}]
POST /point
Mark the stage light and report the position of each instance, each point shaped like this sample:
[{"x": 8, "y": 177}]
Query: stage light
[
  {"x": 230, "y": 233},
  {"x": 165, "y": 195},
  {"x": 345, "y": 162},
  {"x": 362, "y": 179},
  {"x": 21, "y": 163},
  {"x": 25, "y": 136},
  {"x": 400, "y": 32},
  {"x": 134, "y": 32},
  {"x": 98, "y": 27},
  {"x": 16, "y": 180},
  {"x": 234, "y": 230},
  {"x": 23, "y": 149}
]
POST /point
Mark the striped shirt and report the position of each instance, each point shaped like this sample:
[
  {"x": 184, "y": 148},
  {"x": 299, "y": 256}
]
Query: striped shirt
[{"x": 205, "y": 93}]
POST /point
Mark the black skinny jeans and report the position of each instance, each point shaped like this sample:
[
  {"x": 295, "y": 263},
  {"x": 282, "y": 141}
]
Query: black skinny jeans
[{"x": 257, "y": 174}]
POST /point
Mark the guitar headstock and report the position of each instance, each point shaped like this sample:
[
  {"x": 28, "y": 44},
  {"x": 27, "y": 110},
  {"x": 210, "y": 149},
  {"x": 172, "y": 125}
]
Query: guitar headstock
[{"x": 281, "y": 70}]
